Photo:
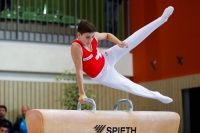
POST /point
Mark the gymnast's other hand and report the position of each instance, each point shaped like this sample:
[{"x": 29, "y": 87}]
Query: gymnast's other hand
[
  {"x": 82, "y": 98},
  {"x": 123, "y": 45}
]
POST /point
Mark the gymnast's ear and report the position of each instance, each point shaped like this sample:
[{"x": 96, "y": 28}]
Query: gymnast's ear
[{"x": 78, "y": 34}]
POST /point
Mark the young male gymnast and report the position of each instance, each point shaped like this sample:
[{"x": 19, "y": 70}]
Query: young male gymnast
[{"x": 100, "y": 66}]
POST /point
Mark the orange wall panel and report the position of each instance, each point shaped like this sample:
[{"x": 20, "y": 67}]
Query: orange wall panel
[{"x": 179, "y": 36}]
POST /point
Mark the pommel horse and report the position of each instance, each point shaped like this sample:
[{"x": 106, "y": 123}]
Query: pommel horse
[{"x": 93, "y": 121}]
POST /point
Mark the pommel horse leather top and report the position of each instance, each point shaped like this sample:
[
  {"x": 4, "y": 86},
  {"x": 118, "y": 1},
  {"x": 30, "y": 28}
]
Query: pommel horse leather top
[{"x": 77, "y": 121}]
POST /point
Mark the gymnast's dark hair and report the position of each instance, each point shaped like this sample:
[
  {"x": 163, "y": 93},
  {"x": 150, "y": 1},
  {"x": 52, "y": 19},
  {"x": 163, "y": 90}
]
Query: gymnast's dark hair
[{"x": 85, "y": 26}]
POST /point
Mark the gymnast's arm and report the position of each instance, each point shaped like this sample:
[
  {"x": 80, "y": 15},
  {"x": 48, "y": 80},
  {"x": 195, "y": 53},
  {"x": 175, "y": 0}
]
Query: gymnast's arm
[
  {"x": 110, "y": 37},
  {"x": 76, "y": 54}
]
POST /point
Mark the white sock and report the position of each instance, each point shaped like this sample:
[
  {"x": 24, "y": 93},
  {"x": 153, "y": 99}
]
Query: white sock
[
  {"x": 167, "y": 12},
  {"x": 162, "y": 98}
]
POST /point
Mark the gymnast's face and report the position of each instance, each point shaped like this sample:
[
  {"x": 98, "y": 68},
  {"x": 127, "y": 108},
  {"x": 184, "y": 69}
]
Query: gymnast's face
[{"x": 86, "y": 38}]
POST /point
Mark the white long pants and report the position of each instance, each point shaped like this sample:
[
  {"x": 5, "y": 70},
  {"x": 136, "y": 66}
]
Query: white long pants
[{"x": 111, "y": 78}]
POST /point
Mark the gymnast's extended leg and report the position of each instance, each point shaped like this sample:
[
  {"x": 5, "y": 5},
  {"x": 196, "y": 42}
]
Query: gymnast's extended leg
[
  {"x": 136, "y": 38},
  {"x": 113, "y": 79}
]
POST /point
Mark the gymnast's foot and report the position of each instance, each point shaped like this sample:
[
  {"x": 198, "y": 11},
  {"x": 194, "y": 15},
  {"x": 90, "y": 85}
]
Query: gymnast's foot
[
  {"x": 162, "y": 98},
  {"x": 167, "y": 12}
]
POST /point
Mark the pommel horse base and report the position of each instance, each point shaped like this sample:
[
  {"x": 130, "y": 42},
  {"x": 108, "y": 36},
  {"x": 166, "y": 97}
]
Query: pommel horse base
[{"x": 77, "y": 121}]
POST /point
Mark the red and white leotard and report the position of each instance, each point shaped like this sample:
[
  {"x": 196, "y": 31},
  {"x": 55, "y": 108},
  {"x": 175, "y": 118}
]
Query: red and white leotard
[{"x": 93, "y": 61}]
